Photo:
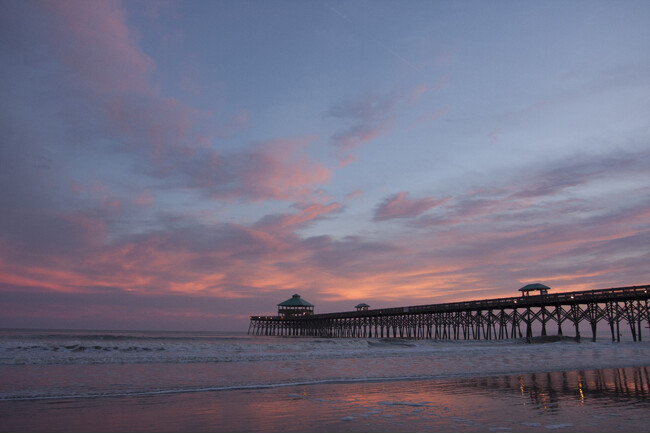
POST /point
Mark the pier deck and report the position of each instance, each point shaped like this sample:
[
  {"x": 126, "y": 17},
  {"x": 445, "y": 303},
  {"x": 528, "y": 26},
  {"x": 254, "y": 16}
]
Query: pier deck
[{"x": 500, "y": 318}]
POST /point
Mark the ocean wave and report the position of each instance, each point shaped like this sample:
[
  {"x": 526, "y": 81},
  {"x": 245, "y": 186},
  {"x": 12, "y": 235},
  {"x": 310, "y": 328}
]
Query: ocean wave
[
  {"x": 96, "y": 351},
  {"x": 70, "y": 368}
]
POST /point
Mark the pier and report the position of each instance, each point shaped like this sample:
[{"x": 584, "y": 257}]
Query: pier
[{"x": 492, "y": 319}]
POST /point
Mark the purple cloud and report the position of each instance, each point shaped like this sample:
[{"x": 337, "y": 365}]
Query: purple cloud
[
  {"x": 372, "y": 116},
  {"x": 547, "y": 181},
  {"x": 400, "y": 206},
  {"x": 275, "y": 169},
  {"x": 170, "y": 140},
  {"x": 368, "y": 118},
  {"x": 368, "y": 108}
]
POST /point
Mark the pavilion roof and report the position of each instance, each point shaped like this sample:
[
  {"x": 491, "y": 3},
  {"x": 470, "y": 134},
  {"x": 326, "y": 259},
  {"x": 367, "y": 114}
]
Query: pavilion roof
[
  {"x": 295, "y": 300},
  {"x": 533, "y": 287}
]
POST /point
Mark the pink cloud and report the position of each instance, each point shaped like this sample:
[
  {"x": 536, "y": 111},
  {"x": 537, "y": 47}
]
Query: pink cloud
[
  {"x": 275, "y": 169},
  {"x": 172, "y": 139},
  {"x": 93, "y": 39},
  {"x": 280, "y": 170},
  {"x": 400, "y": 206},
  {"x": 307, "y": 213},
  {"x": 229, "y": 261},
  {"x": 160, "y": 129},
  {"x": 526, "y": 230}
]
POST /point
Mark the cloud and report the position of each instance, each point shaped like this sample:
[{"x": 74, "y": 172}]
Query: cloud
[
  {"x": 560, "y": 176},
  {"x": 159, "y": 129},
  {"x": 29, "y": 233},
  {"x": 237, "y": 122},
  {"x": 123, "y": 309},
  {"x": 191, "y": 259},
  {"x": 371, "y": 107},
  {"x": 361, "y": 133},
  {"x": 367, "y": 117},
  {"x": 347, "y": 253},
  {"x": 560, "y": 188},
  {"x": 400, "y": 206},
  {"x": 94, "y": 40},
  {"x": 99, "y": 196},
  {"x": 100, "y": 157},
  {"x": 373, "y": 115},
  {"x": 223, "y": 260},
  {"x": 105, "y": 85},
  {"x": 226, "y": 261},
  {"x": 233, "y": 260},
  {"x": 62, "y": 233},
  {"x": 166, "y": 139},
  {"x": 353, "y": 194},
  {"x": 308, "y": 213},
  {"x": 145, "y": 199},
  {"x": 274, "y": 169}
]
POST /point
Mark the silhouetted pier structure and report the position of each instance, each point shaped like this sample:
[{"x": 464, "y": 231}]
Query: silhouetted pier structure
[{"x": 500, "y": 318}]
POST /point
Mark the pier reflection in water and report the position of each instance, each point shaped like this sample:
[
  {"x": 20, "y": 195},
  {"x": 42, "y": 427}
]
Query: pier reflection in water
[{"x": 546, "y": 391}]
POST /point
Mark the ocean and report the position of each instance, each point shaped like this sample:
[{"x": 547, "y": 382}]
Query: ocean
[{"x": 110, "y": 381}]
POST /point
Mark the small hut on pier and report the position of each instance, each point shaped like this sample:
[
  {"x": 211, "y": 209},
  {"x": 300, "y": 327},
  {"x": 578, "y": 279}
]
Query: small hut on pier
[
  {"x": 295, "y": 306},
  {"x": 526, "y": 290},
  {"x": 361, "y": 306}
]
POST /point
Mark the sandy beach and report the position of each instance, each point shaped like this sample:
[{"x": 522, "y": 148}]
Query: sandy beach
[
  {"x": 611, "y": 400},
  {"x": 71, "y": 381}
]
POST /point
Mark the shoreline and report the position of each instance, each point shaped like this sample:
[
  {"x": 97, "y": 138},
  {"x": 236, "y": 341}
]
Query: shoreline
[
  {"x": 561, "y": 401},
  {"x": 332, "y": 382}
]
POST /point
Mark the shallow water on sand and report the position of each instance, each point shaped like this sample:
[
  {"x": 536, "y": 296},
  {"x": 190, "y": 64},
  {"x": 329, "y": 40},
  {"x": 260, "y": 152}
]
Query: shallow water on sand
[{"x": 611, "y": 400}]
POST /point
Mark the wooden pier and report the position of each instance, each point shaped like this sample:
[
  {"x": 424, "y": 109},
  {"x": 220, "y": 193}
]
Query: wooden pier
[{"x": 501, "y": 318}]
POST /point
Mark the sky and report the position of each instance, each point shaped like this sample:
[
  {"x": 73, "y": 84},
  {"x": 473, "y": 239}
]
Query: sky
[{"x": 183, "y": 165}]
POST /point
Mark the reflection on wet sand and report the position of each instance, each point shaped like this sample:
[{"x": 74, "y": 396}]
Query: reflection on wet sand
[
  {"x": 547, "y": 390},
  {"x": 608, "y": 400}
]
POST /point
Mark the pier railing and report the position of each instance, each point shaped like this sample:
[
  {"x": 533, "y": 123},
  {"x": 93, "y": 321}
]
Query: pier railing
[{"x": 498, "y": 318}]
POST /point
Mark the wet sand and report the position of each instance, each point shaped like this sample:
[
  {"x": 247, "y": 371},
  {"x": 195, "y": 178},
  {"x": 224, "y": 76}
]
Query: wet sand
[{"x": 612, "y": 400}]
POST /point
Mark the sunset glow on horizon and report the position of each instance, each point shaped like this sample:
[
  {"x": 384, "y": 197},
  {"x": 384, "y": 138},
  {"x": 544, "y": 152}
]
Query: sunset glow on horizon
[{"x": 183, "y": 165}]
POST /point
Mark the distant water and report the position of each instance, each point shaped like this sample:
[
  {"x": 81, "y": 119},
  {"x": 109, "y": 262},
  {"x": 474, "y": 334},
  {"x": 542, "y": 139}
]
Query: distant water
[{"x": 40, "y": 366}]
